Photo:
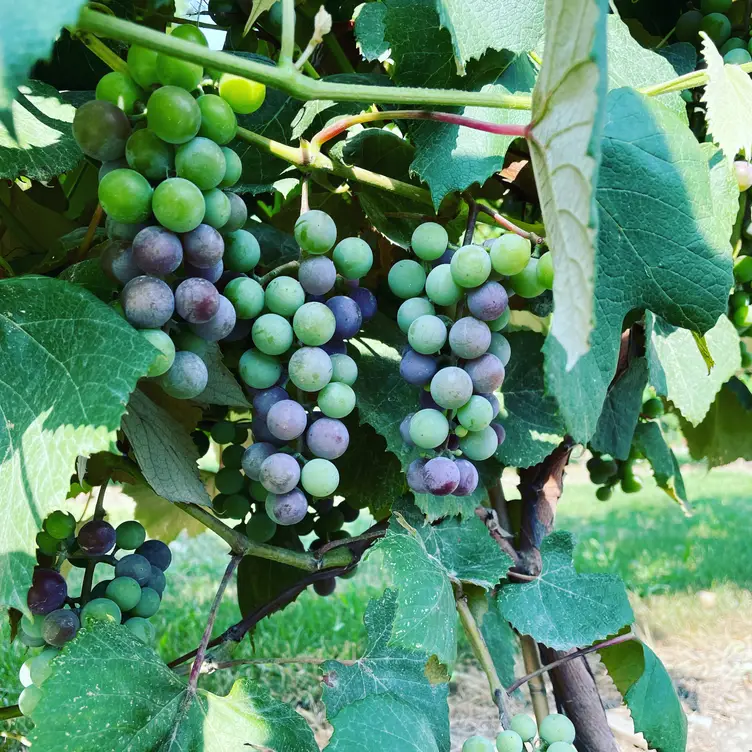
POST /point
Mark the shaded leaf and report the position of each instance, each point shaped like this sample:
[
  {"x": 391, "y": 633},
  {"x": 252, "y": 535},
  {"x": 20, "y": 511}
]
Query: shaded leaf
[
  {"x": 649, "y": 439},
  {"x": 369, "y": 31},
  {"x": 90, "y": 275},
  {"x": 222, "y": 388}
]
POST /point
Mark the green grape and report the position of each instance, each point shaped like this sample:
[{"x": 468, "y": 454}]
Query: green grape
[
  {"x": 246, "y": 296},
  {"x": 260, "y": 528},
  {"x": 336, "y": 400},
  {"x": 272, "y": 334},
  {"x": 746, "y": 356},
  {"x": 121, "y": 90},
  {"x": 739, "y": 299},
  {"x": 148, "y": 604},
  {"x": 141, "y": 628},
  {"x": 630, "y": 483},
  {"x": 258, "y": 370},
  {"x": 470, "y": 266},
  {"x": 353, "y": 258},
  {"x": 40, "y": 666},
  {"x": 545, "y": 271},
  {"x": 172, "y": 71},
  {"x": 688, "y": 26},
  {"x": 717, "y": 27},
  {"x": 428, "y": 428},
  {"x": 142, "y": 65},
  {"x": 412, "y": 309},
  {"x": 60, "y": 525},
  {"x": 29, "y": 699},
  {"x": 236, "y": 507},
  {"x": 46, "y": 543},
  {"x": 742, "y": 317},
  {"x": 498, "y": 324},
  {"x": 344, "y": 369},
  {"x": 406, "y": 279},
  {"x": 525, "y": 726},
  {"x": 480, "y": 445},
  {"x": 429, "y": 241},
  {"x": 509, "y": 741},
  {"x": 165, "y": 355},
  {"x": 526, "y": 284},
  {"x": 556, "y": 728},
  {"x": 242, "y": 251},
  {"x": 126, "y": 196},
  {"x": 427, "y": 334},
  {"x": 101, "y": 130},
  {"x": 478, "y": 744},
  {"x": 229, "y": 481},
  {"x": 733, "y": 44},
  {"x": 441, "y": 287},
  {"x": 124, "y": 591},
  {"x": 223, "y": 431},
  {"x": 130, "y": 535},
  {"x": 173, "y": 114},
  {"x": 258, "y": 492},
  {"x": 146, "y": 153},
  {"x": 232, "y": 456},
  {"x": 604, "y": 493},
  {"x": 500, "y": 347},
  {"x": 218, "y": 121},
  {"x": 284, "y": 295},
  {"x": 310, "y": 369},
  {"x": 652, "y": 408},
  {"x": 189, "y": 33},
  {"x": 233, "y": 168},
  {"x": 202, "y": 162},
  {"x": 101, "y": 609},
  {"x": 476, "y": 413},
  {"x": 217, "y": 208},
  {"x": 315, "y": 232},
  {"x": 737, "y": 57},
  {"x": 33, "y": 626},
  {"x": 238, "y": 214},
  {"x": 314, "y": 324},
  {"x": 715, "y": 6},
  {"x": 178, "y": 204},
  {"x": 242, "y": 94},
  {"x": 319, "y": 478},
  {"x": 561, "y": 747},
  {"x": 510, "y": 254},
  {"x": 187, "y": 340}
]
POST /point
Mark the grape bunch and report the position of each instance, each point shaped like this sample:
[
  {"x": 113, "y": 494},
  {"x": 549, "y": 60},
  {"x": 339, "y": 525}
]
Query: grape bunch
[
  {"x": 453, "y": 312},
  {"x": 716, "y": 18},
  {"x": 130, "y": 597},
  {"x": 556, "y": 734}
]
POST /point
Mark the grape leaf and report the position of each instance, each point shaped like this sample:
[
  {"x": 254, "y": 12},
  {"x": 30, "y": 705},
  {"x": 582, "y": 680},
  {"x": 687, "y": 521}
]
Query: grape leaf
[
  {"x": 649, "y": 693},
  {"x": 67, "y": 365},
  {"x": 424, "y": 561},
  {"x": 369, "y": 31},
  {"x": 562, "y": 608},
  {"x": 568, "y": 109},
  {"x": 110, "y": 689},
  {"x": 164, "y": 450},
  {"x": 222, "y": 387},
  {"x": 90, "y": 275},
  {"x": 649, "y": 439},
  {"x": 277, "y": 247},
  {"x": 259, "y": 7},
  {"x": 652, "y": 168},
  {"x": 386, "y": 672},
  {"x": 678, "y": 370},
  {"x": 42, "y": 145},
  {"x": 533, "y": 425},
  {"x": 618, "y": 421}
]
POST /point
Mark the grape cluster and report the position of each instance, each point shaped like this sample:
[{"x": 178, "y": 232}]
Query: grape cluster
[
  {"x": 556, "y": 734},
  {"x": 130, "y": 598},
  {"x": 714, "y": 19},
  {"x": 740, "y": 300},
  {"x": 453, "y": 312}
]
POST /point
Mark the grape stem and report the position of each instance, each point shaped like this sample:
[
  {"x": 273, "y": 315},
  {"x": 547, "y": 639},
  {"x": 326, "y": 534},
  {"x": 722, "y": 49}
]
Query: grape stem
[
  {"x": 322, "y": 25},
  {"x": 536, "y": 685},
  {"x": 511, "y": 226},
  {"x": 282, "y": 269},
  {"x": 11, "y": 711},
  {"x": 288, "y": 33},
  {"x": 92, "y": 563},
  {"x": 101, "y": 50},
  {"x": 96, "y": 218},
  {"x": 472, "y": 218}
]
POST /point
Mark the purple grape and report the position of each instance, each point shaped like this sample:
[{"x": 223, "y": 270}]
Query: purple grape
[
  {"x": 488, "y": 301},
  {"x": 469, "y": 338},
  {"x": 287, "y": 419},
  {"x": 494, "y": 403},
  {"x": 60, "y": 626},
  {"x": 121, "y": 230},
  {"x": 427, "y": 401},
  {"x": 266, "y": 398},
  {"x": 328, "y": 438},
  {"x": 347, "y": 315},
  {"x": 287, "y": 509},
  {"x": 157, "y": 581},
  {"x": 334, "y": 346},
  {"x": 254, "y": 456},
  {"x": 405, "y": 429},
  {"x": 48, "y": 591},
  {"x": 366, "y": 301},
  {"x": 486, "y": 372},
  {"x": 324, "y": 506},
  {"x": 136, "y": 566},
  {"x": 445, "y": 258},
  {"x": 157, "y": 553},
  {"x": 118, "y": 263},
  {"x": 262, "y": 434},
  {"x": 416, "y": 479},
  {"x": 203, "y": 247},
  {"x": 317, "y": 275},
  {"x": 441, "y": 476},
  {"x": 240, "y": 331},
  {"x": 211, "y": 273},
  {"x": 220, "y": 325},
  {"x": 226, "y": 278},
  {"x": 468, "y": 478},
  {"x": 279, "y": 473},
  {"x": 157, "y": 251},
  {"x": 453, "y": 442},
  {"x": 148, "y": 302},
  {"x": 196, "y": 300},
  {"x": 417, "y": 369},
  {"x": 325, "y": 587},
  {"x": 501, "y": 433},
  {"x": 96, "y": 538}
]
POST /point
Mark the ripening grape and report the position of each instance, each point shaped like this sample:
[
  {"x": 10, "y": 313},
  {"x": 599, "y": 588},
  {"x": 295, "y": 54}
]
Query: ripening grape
[
  {"x": 314, "y": 324},
  {"x": 415, "y": 477},
  {"x": 178, "y": 205},
  {"x": 101, "y": 130},
  {"x": 416, "y": 368},
  {"x": 353, "y": 258},
  {"x": 228, "y": 481},
  {"x": 469, "y": 338},
  {"x": 101, "y": 609},
  {"x": 157, "y": 553},
  {"x": 232, "y": 456},
  {"x": 319, "y": 477},
  {"x": 344, "y": 369},
  {"x": 218, "y": 121},
  {"x": 141, "y": 629},
  {"x": 258, "y": 370},
  {"x": 157, "y": 581},
  {"x": 479, "y": 445},
  {"x": 253, "y": 458},
  {"x": 220, "y": 325},
  {"x": 476, "y": 414},
  {"x": 279, "y": 473},
  {"x": 142, "y": 65},
  {"x": 366, "y": 301},
  {"x": 317, "y": 275},
  {"x": 468, "y": 478},
  {"x": 48, "y": 591},
  {"x": 327, "y": 438},
  {"x": 121, "y": 90},
  {"x": 510, "y": 254},
  {"x": 196, "y": 300},
  {"x": 556, "y": 728},
  {"x": 157, "y": 251},
  {"x": 451, "y": 388},
  {"x": 96, "y": 538},
  {"x": 186, "y": 378},
  {"x": 335, "y": 346},
  {"x": 233, "y": 171},
  {"x": 148, "y": 302},
  {"x": 223, "y": 431},
  {"x": 486, "y": 373},
  {"x": 509, "y": 741},
  {"x": 124, "y": 591},
  {"x": 118, "y": 262},
  {"x": 173, "y": 114},
  {"x": 336, "y": 400},
  {"x": 287, "y": 509},
  {"x": 121, "y": 231},
  {"x": 500, "y": 323},
  {"x": 272, "y": 334},
  {"x": 427, "y": 334},
  {"x": 411, "y": 309},
  {"x": 264, "y": 400},
  {"x": 429, "y": 428},
  {"x": 406, "y": 279},
  {"x": 525, "y": 726},
  {"x": 488, "y": 302},
  {"x": 165, "y": 351},
  {"x": 545, "y": 271},
  {"x": 260, "y": 528},
  {"x": 242, "y": 94},
  {"x": 405, "y": 429},
  {"x": 441, "y": 476},
  {"x": 310, "y": 369},
  {"x": 287, "y": 419},
  {"x": 242, "y": 251},
  {"x": 216, "y": 208},
  {"x": 130, "y": 535},
  {"x": 429, "y": 241},
  {"x": 284, "y": 295},
  {"x": 470, "y": 266},
  {"x": 325, "y": 587},
  {"x": 60, "y": 525},
  {"x": 743, "y": 269},
  {"x": 203, "y": 247},
  {"x": 347, "y": 315},
  {"x": 478, "y": 744},
  {"x": 717, "y": 26},
  {"x": 441, "y": 287},
  {"x": 134, "y": 566},
  {"x": 126, "y": 196}
]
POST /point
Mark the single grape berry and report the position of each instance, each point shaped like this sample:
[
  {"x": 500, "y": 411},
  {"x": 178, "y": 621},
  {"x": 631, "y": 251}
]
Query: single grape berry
[
  {"x": 196, "y": 300},
  {"x": 287, "y": 419},
  {"x": 478, "y": 744},
  {"x": 260, "y": 528},
  {"x": 165, "y": 347},
  {"x": 451, "y": 388},
  {"x": 130, "y": 535},
  {"x": 157, "y": 251},
  {"x": 279, "y": 473},
  {"x": 468, "y": 478},
  {"x": 406, "y": 279},
  {"x": 469, "y": 338},
  {"x": 325, "y": 587},
  {"x": 429, "y": 241},
  {"x": 427, "y": 334},
  {"x": 186, "y": 378},
  {"x": 347, "y": 316},
  {"x": 470, "y": 266},
  {"x": 148, "y": 604},
  {"x": 146, "y": 153},
  {"x": 480, "y": 445},
  {"x": 366, "y": 301},
  {"x": 220, "y": 325},
  {"x": 310, "y": 368},
  {"x": 124, "y": 591},
  {"x": 242, "y": 251},
  {"x": 556, "y": 728},
  {"x": 417, "y": 369},
  {"x": 202, "y": 162},
  {"x": 319, "y": 477},
  {"x": 148, "y": 302},
  {"x": 101, "y": 130},
  {"x": 327, "y": 438},
  {"x": 315, "y": 232},
  {"x": 141, "y": 628},
  {"x": 488, "y": 302},
  {"x": 287, "y": 509},
  {"x": 157, "y": 553},
  {"x": 218, "y": 121},
  {"x": 429, "y": 428},
  {"x": 126, "y": 196},
  {"x": 509, "y": 741},
  {"x": 48, "y": 591},
  {"x": 242, "y": 94},
  {"x": 441, "y": 476},
  {"x": 118, "y": 262},
  {"x": 217, "y": 208},
  {"x": 486, "y": 373},
  {"x": 246, "y": 296},
  {"x": 258, "y": 370},
  {"x": 344, "y": 368},
  {"x": 441, "y": 287},
  {"x": 142, "y": 65},
  {"x": 178, "y": 205},
  {"x": 412, "y": 309},
  {"x": 317, "y": 275},
  {"x": 135, "y": 566},
  {"x": 525, "y": 726},
  {"x": 336, "y": 400},
  {"x": 96, "y": 538},
  {"x": 653, "y": 408},
  {"x": 60, "y": 525},
  {"x": 173, "y": 114},
  {"x": 121, "y": 90},
  {"x": 353, "y": 258},
  {"x": 233, "y": 171},
  {"x": 284, "y": 295}
]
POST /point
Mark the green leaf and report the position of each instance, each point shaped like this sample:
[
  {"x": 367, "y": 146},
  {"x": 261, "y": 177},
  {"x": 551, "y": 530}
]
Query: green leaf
[
  {"x": 277, "y": 247},
  {"x": 90, "y": 275},
  {"x": 725, "y": 434},
  {"x": 649, "y": 439},
  {"x": 649, "y": 693},
  {"x": 42, "y": 145},
  {"x": 676, "y": 252},
  {"x": 259, "y": 7},
  {"x": 369, "y": 31},
  {"x": 424, "y": 561},
  {"x": 67, "y": 365},
  {"x": 562, "y": 608},
  {"x": 533, "y": 425},
  {"x": 568, "y": 109},
  {"x": 385, "y": 672},
  {"x": 164, "y": 450},
  {"x": 678, "y": 370},
  {"x": 621, "y": 411},
  {"x": 222, "y": 387},
  {"x": 501, "y": 641},
  {"x": 110, "y": 691}
]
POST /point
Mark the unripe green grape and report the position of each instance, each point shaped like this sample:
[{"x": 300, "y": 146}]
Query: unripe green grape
[
  {"x": 246, "y": 296},
  {"x": 561, "y": 747},
  {"x": 314, "y": 324},
  {"x": 148, "y": 154},
  {"x": 717, "y": 27},
  {"x": 652, "y": 408},
  {"x": 238, "y": 214},
  {"x": 441, "y": 287},
  {"x": 272, "y": 334},
  {"x": 29, "y": 699},
  {"x": 242, "y": 94},
  {"x": 172, "y": 113},
  {"x": 526, "y": 284},
  {"x": 173, "y": 71},
  {"x": 126, "y": 196},
  {"x": 478, "y": 744},
  {"x": 232, "y": 456},
  {"x": 742, "y": 317},
  {"x": 525, "y": 726},
  {"x": 60, "y": 525},
  {"x": 509, "y": 741},
  {"x": 353, "y": 258},
  {"x": 141, "y": 628},
  {"x": 40, "y": 666},
  {"x": 412, "y": 309},
  {"x": 242, "y": 251},
  {"x": 737, "y": 57},
  {"x": 556, "y": 728},
  {"x": 498, "y": 324},
  {"x": 428, "y": 428},
  {"x": 733, "y": 44},
  {"x": 310, "y": 369},
  {"x": 476, "y": 414},
  {"x": 216, "y": 208},
  {"x": 284, "y": 295},
  {"x": 451, "y": 388},
  {"x": 688, "y": 26},
  {"x": 480, "y": 445},
  {"x": 336, "y": 400},
  {"x": 260, "y": 528},
  {"x": 406, "y": 279},
  {"x": 470, "y": 266},
  {"x": 189, "y": 33},
  {"x": 746, "y": 356},
  {"x": 510, "y": 254},
  {"x": 315, "y": 232},
  {"x": 259, "y": 370},
  {"x": 148, "y": 604},
  {"x": 500, "y": 347},
  {"x": 427, "y": 334},
  {"x": 604, "y": 493},
  {"x": 142, "y": 65},
  {"x": 101, "y": 609},
  {"x": 202, "y": 162},
  {"x": 545, "y": 271},
  {"x": 344, "y": 369},
  {"x": 120, "y": 90},
  {"x": 319, "y": 478},
  {"x": 46, "y": 543},
  {"x": 165, "y": 355},
  {"x": 124, "y": 591},
  {"x": 233, "y": 168},
  {"x": 130, "y": 535},
  {"x": 223, "y": 432},
  {"x": 429, "y": 241},
  {"x": 187, "y": 340},
  {"x": 178, "y": 205},
  {"x": 218, "y": 121},
  {"x": 229, "y": 481},
  {"x": 630, "y": 483}
]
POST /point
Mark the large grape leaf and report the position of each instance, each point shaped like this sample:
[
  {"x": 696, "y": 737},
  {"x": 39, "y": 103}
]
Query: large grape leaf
[
  {"x": 385, "y": 672},
  {"x": 663, "y": 245},
  {"x": 222, "y": 388},
  {"x": 649, "y": 439},
  {"x": 164, "y": 450},
  {"x": 369, "y": 31},
  {"x": 533, "y": 425},
  {"x": 562, "y": 608},
  {"x": 424, "y": 561},
  {"x": 67, "y": 365},
  {"x": 109, "y": 690},
  {"x": 679, "y": 372},
  {"x": 90, "y": 275},
  {"x": 568, "y": 108},
  {"x": 649, "y": 693}
]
